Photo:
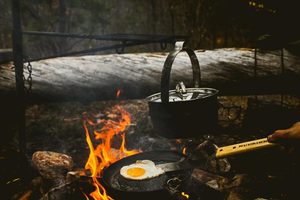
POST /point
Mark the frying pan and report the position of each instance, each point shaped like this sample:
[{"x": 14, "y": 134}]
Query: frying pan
[
  {"x": 121, "y": 188},
  {"x": 208, "y": 151}
]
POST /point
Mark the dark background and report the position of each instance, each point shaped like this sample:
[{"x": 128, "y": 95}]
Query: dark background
[{"x": 208, "y": 24}]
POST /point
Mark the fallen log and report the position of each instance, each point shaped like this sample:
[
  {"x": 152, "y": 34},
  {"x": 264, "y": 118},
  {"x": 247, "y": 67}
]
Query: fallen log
[{"x": 138, "y": 75}]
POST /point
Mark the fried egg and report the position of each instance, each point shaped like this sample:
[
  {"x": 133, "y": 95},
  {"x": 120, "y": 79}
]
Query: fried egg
[{"x": 141, "y": 170}]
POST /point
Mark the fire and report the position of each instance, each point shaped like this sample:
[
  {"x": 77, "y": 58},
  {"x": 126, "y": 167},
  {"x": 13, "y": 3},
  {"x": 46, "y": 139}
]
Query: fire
[
  {"x": 118, "y": 93},
  {"x": 178, "y": 141},
  {"x": 104, "y": 154},
  {"x": 184, "y": 151},
  {"x": 185, "y": 195}
]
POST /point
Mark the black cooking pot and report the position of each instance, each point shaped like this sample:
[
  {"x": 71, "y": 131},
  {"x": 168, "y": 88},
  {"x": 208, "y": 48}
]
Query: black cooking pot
[{"x": 183, "y": 112}]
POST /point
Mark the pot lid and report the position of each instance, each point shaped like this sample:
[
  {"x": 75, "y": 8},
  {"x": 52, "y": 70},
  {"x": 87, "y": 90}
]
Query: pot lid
[{"x": 181, "y": 93}]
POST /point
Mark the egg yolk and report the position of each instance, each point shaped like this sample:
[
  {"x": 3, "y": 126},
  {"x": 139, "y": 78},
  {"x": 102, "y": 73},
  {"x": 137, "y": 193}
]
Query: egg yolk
[{"x": 136, "y": 172}]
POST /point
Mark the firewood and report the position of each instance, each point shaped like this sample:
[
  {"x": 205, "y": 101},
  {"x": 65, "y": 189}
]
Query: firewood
[{"x": 214, "y": 181}]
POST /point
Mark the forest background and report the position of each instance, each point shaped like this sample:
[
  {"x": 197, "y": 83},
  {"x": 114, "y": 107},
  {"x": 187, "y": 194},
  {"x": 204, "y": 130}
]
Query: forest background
[{"x": 208, "y": 24}]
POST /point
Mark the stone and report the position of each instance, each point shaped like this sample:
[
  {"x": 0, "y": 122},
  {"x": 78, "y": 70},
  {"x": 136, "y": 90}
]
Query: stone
[{"x": 52, "y": 165}]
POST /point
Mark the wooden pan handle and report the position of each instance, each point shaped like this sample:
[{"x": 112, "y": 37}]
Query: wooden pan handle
[{"x": 243, "y": 147}]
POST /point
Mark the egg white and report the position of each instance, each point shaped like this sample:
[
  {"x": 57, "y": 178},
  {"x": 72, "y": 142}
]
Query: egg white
[{"x": 151, "y": 170}]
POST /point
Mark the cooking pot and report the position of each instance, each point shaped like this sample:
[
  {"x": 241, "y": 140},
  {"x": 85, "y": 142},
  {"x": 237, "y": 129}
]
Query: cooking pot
[{"x": 183, "y": 112}]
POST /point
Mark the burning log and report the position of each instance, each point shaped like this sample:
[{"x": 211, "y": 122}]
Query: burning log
[{"x": 138, "y": 75}]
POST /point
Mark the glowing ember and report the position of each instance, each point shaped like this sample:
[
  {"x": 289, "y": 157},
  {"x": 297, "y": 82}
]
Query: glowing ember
[
  {"x": 104, "y": 154},
  {"x": 118, "y": 93},
  {"x": 86, "y": 197},
  {"x": 178, "y": 141},
  {"x": 184, "y": 151},
  {"x": 185, "y": 195}
]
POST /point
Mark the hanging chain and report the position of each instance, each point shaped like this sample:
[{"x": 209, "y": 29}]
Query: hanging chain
[{"x": 28, "y": 80}]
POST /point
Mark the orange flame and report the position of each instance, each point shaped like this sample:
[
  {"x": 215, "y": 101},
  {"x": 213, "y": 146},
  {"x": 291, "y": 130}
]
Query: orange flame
[
  {"x": 184, "y": 151},
  {"x": 178, "y": 141},
  {"x": 185, "y": 195},
  {"x": 104, "y": 154},
  {"x": 118, "y": 93}
]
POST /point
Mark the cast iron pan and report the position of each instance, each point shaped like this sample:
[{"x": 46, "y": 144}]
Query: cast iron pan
[{"x": 121, "y": 188}]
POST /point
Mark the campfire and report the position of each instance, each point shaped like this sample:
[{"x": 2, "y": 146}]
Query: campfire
[
  {"x": 176, "y": 155},
  {"x": 118, "y": 133},
  {"x": 105, "y": 131},
  {"x": 177, "y": 100},
  {"x": 105, "y": 137}
]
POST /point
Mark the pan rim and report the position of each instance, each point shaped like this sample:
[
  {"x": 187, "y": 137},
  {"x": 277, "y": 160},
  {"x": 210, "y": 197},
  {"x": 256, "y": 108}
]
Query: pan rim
[{"x": 106, "y": 178}]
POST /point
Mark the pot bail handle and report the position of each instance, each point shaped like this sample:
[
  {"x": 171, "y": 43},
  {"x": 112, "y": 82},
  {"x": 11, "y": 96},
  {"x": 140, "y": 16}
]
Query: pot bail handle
[{"x": 166, "y": 72}]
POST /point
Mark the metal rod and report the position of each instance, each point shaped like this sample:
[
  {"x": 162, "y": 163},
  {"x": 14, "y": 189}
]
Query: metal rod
[
  {"x": 282, "y": 61},
  {"x": 18, "y": 63},
  {"x": 110, "y": 47},
  {"x": 255, "y": 67},
  {"x": 126, "y": 39},
  {"x": 255, "y": 62},
  {"x": 111, "y": 37},
  {"x": 282, "y": 73}
]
